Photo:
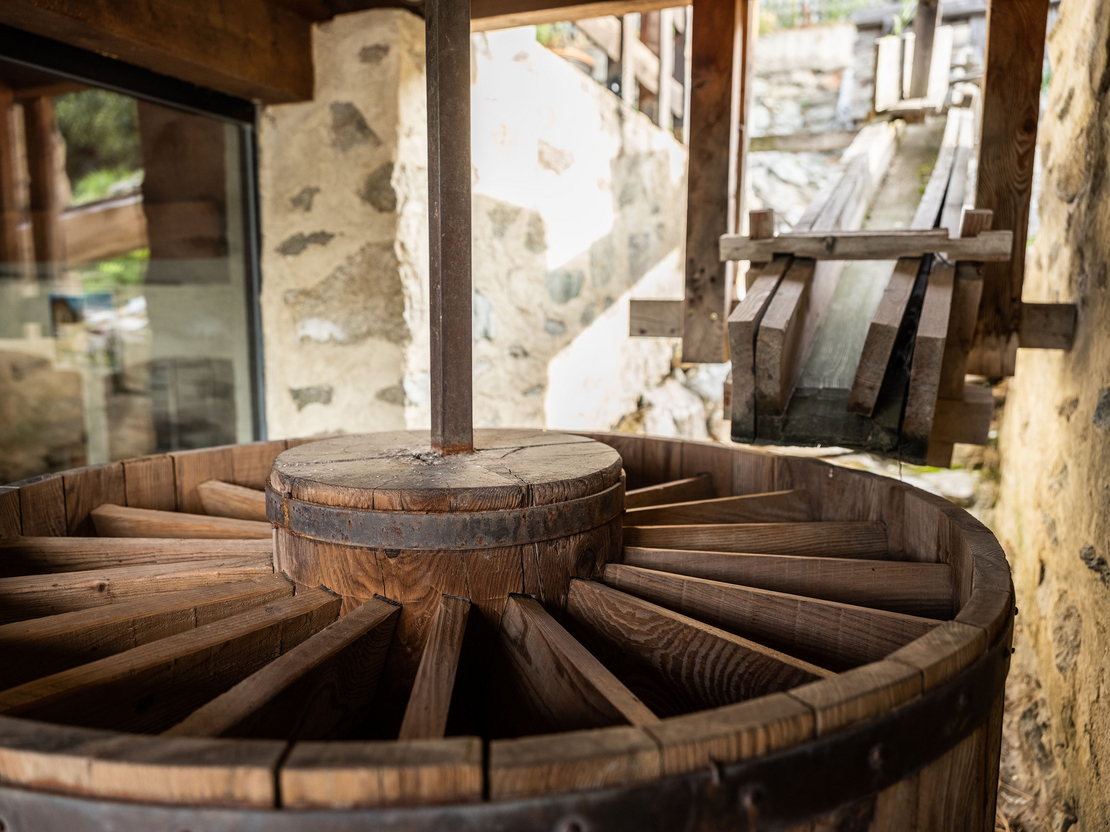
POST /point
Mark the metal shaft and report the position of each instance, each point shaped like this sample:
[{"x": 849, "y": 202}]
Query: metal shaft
[{"x": 448, "y": 49}]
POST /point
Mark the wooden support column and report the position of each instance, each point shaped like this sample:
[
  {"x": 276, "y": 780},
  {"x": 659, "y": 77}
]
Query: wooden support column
[
  {"x": 46, "y": 199},
  {"x": 628, "y": 60},
  {"x": 718, "y": 35},
  {"x": 10, "y": 209},
  {"x": 1011, "y": 106},
  {"x": 925, "y": 31},
  {"x": 666, "y": 68}
]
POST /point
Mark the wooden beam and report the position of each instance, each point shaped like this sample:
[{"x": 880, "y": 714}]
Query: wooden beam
[
  {"x": 120, "y": 521},
  {"x": 224, "y": 499},
  {"x": 260, "y": 51},
  {"x": 772, "y": 507},
  {"x": 968, "y": 420},
  {"x": 870, "y": 245},
  {"x": 11, "y": 213},
  {"x": 104, "y": 229},
  {"x": 606, "y": 33},
  {"x": 486, "y": 15},
  {"x": 925, "y": 31},
  {"x": 42, "y": 144},
  {"x": 928, "y": 357},
  {"x": 430, "y": 700},
  {"x": 1048, "y": 326},
  {"x": 712, "y": 181},
  {"x": 786, "y": 332},
  {"x": 822, "y": 142},
  {"x": 1008, "y": 142},
  {"x": 628, "y": 61},
  {"x": 655, "y": 318},
  {"x": 850, "y": 539},
  {"x": 888, "y": 73},
  {"x": 676, "y": 491}
]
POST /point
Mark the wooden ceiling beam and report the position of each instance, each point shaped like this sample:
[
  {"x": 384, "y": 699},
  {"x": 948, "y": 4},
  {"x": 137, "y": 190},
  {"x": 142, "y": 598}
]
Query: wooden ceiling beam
[
  {"x": 486, "y": 15},
  {"x": 250, "y": 48}
]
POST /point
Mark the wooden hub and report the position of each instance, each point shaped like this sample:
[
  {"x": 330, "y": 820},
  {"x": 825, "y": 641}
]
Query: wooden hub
[{"x": 383, "y": 514}]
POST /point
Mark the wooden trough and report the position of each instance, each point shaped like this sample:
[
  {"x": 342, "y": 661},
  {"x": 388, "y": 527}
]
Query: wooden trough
[{"x": 776, "y": 643}]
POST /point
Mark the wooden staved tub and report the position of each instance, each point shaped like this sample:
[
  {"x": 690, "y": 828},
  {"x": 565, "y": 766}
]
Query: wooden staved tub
[{"x": 716, "y": 638}]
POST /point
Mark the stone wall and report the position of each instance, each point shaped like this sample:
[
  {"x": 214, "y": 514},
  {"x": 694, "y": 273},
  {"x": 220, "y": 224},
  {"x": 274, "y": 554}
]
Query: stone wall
[
  {"x": 579, "y": 202},
  {"x": 1054, "y": 510}
]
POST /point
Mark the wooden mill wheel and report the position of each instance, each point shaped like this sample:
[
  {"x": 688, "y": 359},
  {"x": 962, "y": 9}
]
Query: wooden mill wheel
[{"x": 757, "y": 641}]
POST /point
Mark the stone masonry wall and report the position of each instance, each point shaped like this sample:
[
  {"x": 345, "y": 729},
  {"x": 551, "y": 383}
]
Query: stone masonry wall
[{"x": 1054, "y": 510}]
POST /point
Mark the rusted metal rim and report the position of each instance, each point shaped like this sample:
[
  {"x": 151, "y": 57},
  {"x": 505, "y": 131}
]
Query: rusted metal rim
[
  {"x": 761, "y": 793},
  {"x": 444, "y": 530}
]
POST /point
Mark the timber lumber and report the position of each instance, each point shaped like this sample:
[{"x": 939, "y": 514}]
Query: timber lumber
[
  {"x": 858, "y": 539},
  {"x": 1048, "y": 326},
  {"x": 120, "y": 521},
  {"x": 967, "y": 420},
  {"x": 675, "y": 491},
  {"x": 928, "y": 359},
  {"x": 225, "y": 499},
  {"x": 260, "y": 52},
  {"x": 924, "y": 29},
  {"x": 1011, "y": 109},
  {"x": 487, "y": 15},
  {"x": 905, "y": 281},
  {"x": 655, "y": 318},
  {"x": 770, "y": 507},
  {"x": 871, "y": 245},
  {"x": 430, "y": 701}
]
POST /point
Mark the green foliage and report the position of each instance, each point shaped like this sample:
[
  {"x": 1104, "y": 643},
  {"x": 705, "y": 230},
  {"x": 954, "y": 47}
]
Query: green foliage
[
  {"x": 101, "y": 130},
  {"x": 103, "y": 183},
  {"x": 106, "y": 275},
  {"x": 906, "y": 16}
]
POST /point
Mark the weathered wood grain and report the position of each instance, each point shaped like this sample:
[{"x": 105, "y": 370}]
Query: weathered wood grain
[
  {"x": 87, "y": 488},
  {"x": 224, "y": 499},
  {"x": 120, "y": 521},
  {"x": 41, "y": 555},
  {"x": 870, "y": 245},
  {"x": 860, "y": 539},
  {"x": 675, "y": 491},
  {"x": 430, "y": 700},
  {"x": 773, "y": 507}
]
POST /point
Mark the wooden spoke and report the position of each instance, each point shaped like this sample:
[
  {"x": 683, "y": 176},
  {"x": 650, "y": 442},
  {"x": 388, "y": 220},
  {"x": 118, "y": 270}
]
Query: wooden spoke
[
  {"x": 40, "y": 555},
  {"x": 42, "y": 646},
  {"x": 773, "y": 507},
  {"x": 151, "y": 687},
  {"x": 319, "y": 690},
  {"x": 119, "y": 521},
  {"x": 223, "y": 499},
  {"x": 35, "y": 596},
  {"x": 352, "y": 775},
  {"x": 846, "y": 539},
  {"x": 546, "y": 681},
  {"x": 426, "y": 714},
  {"x": 923, "y": 589},
  {"x": 675, "y": 663},
  {"x": 677, "y": 491},
  {"x": 830, "y": 634}
]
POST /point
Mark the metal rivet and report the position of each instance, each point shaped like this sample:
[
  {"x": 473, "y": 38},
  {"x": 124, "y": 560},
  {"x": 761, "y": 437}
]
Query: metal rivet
[
  {"x": 713, "y": 316},
  {"x": 875, "y": 756}
]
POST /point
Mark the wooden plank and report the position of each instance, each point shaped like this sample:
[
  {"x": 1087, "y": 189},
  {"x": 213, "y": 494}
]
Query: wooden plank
[
  {"x": 191, "y": 468},
  {"x": 618, "y": 756},
  {"x": 829, "y": 539},
  {"x": 951, "y": 215},
  {"x": 149, "y": 482},
  {"x": 713, "y": 178},
  {"x": 781, "y": 348},
  {"x": 661, "y": 460},
  {"x": 824, "y": 141},
  {"x": 655, "y": 318},
  {"x": 888, "y": 73},
  {"x": 42, "y": 555},
  {"x": 251, "y": 462},
  {"x": 364, "y": 775},
  {"x": 222, "y": 499},
  {"x": 319, "y": 690},
  {"x": 928, "y": 357},
  {"x": 858, "y": 695},
  {"x": 430, "y": 701},
  {"x": 104, "y": 230},
  {"x": 711, "y": 458},
  {"x": 665, "y": 89},
  {"x": 119, "y": 521},
  {"x": 553, "y": 681},
  {"x": 1011, "y": 106},
  {"x": 922, "y": 589},
  {"x": 34, "y": 596},
  {"x": 42, "y": 506},
  {"x": 87, "y": 488},
  {"x": 925, "y": 24},
  {"x": 628, "y": 60},
  {"x": 10, "y": 523},
  {"x": 967, "y": 421},
  {"x": 827, "y": 633},
  {"x": 743, "y": 329},
  {"x": 943, "y": 653},
  {"x": 151, "y": 687},
  {"x": 761, "y": 226},
  {"x": 487, "y": 15},
  {"x": 1048, "y": 326},
  {"x": 773, "y": 507},
  {"x": 869, "y": 245},
  {"x": 261, "y": 52},
  {"x": 684, "y": 490},
  {"x": 43, "y": 646},
  {"x": 676, "y": 663},
  {"x": 966, "y": 293},
  {"x": 188, "y": 772}
]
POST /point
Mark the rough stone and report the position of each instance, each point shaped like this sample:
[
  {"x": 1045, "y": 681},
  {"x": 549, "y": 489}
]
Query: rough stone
[
  {"x": 553, "y": 327},
  {"x": 394, "y": 394},
  {"x": 374, "y": 54},
  {"x": 378, "y": 191},
  {"x": 1067, "y": 634},
  {"x": 564, "y": 285},
  {"x": 1102, "y": 410},
  {"x": 302, "y": 201},
  {"x": 304, "y": 396},
  {"x": 554, "y": 159},
  {"x": 349, "y": 127},
  {"x": 1095, "y": 562},
  {"x": 296, "y": 244}
]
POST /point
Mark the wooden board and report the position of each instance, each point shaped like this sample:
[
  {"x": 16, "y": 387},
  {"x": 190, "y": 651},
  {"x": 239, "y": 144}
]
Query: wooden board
[
  {"x": 677, "y": 664},
  {"x": 714, "y": 173},
  {"x": 743, "y": 329},
  {"x": 827, "y": 633},
  {"x": 430, "y": 701},
  {"x": 925, "y": 31},
  {"x": 547, "y": 681},
  {"x": 10, "y": 523},
  {"x": 40, "y": 555},
  {"x": 870, "y": 245},
  {"x": 1011, "y": 109},
  {"x": 42, "y": 506},
  {"x": 773, "y": 507},
  {"x": 1048, "y": 326},
  {"x": 923, "y": 589},
  {"x": 858, "y": 695},
  {"x": 35, "y": 596},
  {"x": 966, "y": 292},
  {"x": 191, "y": 468},
  {"x": 356, "y": 775},
  {"x": 655, "y": 318},
  {"x": 149, "y": 482},
  {"x": 786, "y": 332},
  {"x": 223, "y": 499},
  {"x": 674, "y": 491},
  {"x": 87, "y": 488},
  {"x": 43, "y": 646},
  {"x": 251, "y": 462},
  {"x": 119, "y": 521},
  {"x": 151, "y": 687},
  {"x": 928, "y": 358},
  {"x": 968, "y": 420},
  {"x": 846, "y": 539},
  {"x": 888, "y": 73},
  {"x": 318, "y": 690}
]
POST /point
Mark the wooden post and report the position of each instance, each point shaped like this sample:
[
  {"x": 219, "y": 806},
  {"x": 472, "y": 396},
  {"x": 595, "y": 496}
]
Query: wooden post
[
  {"x": 628, "y": 60},
  {"x": 448, "y": 50},
  {"x": 10, "y": 209},
  {"x": 718, "y": 34},
  {"x": 687, "y": 71},
  {"x": 46, "y": 203},
  {"x": 1011, "y": 107},
  {"x": 924, "y": 30},
  {"x": 666, "y": 68}
]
